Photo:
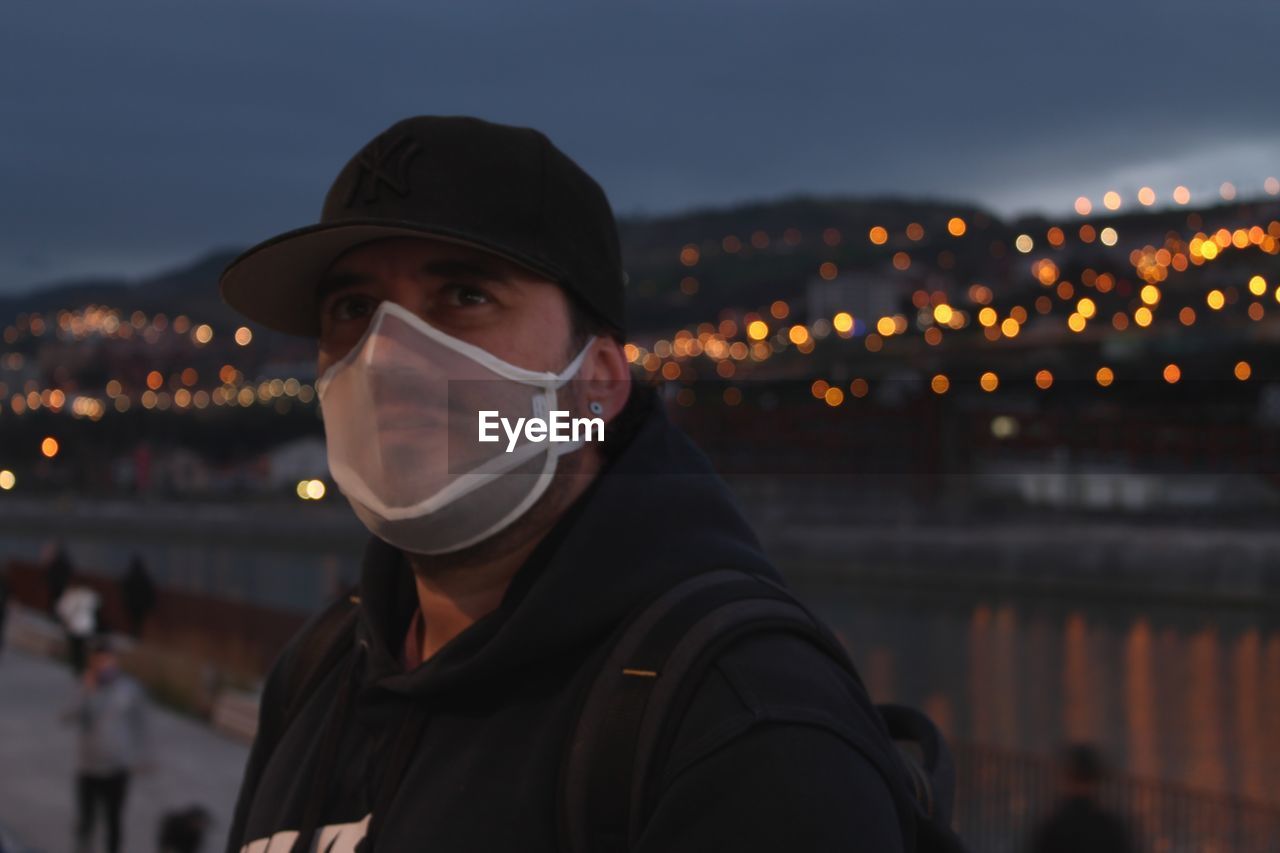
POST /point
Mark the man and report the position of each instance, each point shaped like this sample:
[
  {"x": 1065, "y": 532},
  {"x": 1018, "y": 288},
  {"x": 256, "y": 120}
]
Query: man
[
  {"x": 1080, "y": 822},
  {"x": 57, "y": 573},
  {"x": 110, "y": 714},
  {"x": 4, "y": 602},
  {"x": 78, "y": 609},
  {"x": 464, "y": 266},
  {"x": 138, "y": 592}
]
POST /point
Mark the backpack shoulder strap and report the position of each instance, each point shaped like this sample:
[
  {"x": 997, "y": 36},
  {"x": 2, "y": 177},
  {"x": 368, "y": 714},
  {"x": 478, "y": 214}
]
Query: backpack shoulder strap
[{"x": 652, "y": 667}]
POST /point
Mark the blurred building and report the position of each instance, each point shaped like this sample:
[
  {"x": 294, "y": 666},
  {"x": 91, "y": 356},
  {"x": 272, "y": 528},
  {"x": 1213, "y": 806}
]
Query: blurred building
[
  {"x": 302, "y": 459},
  {"x": 866, "y": 294}
]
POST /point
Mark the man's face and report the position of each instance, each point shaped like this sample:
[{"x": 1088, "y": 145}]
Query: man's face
[
  {"x": 480, "y": 298},
  {"x": 103, "y": 662},
  {"x": 489, "y": 302}
]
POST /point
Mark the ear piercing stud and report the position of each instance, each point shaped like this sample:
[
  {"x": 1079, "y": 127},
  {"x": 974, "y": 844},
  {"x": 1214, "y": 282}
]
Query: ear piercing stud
[{"x": 595, "y": 407}]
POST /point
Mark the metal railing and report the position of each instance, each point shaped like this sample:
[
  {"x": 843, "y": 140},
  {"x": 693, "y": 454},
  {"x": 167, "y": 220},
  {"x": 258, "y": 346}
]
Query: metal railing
[{"x": 1001, "y": 797}]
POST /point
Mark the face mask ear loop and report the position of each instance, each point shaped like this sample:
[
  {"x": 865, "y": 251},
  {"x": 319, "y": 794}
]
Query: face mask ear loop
[
  {"x": 573, "y": 368},
  {"x": 561, "y": 448}
]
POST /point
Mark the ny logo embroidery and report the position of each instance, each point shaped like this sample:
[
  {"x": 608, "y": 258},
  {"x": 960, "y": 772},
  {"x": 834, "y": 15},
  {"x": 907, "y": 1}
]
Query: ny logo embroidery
[{"x": 383, "y": 162}]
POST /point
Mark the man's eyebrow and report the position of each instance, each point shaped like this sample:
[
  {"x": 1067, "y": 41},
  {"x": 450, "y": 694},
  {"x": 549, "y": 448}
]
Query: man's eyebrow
[{"x": 332, "y": 282}]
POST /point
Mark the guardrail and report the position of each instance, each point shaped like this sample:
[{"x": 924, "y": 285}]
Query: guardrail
[{"x": 1001, "y": 796}]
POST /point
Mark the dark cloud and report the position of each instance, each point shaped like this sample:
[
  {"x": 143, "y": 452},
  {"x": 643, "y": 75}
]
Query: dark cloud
[{"x": 138, "y": 134}]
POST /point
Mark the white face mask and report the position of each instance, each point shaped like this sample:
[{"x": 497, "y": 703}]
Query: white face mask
[{"x": 401, "y": 416}]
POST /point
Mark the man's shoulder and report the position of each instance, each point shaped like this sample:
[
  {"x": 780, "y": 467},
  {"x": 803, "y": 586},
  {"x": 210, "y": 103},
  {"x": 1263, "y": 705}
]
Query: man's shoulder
[
  {"x": 777, "y": 734},
  {"x": 306, "y": 651},
  {"x": 776, "y": 673},
  {"x": 774, "y": 677}
]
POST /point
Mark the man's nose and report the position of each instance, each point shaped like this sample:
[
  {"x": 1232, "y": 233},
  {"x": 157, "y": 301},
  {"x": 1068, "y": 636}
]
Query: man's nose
[{"x": 411, "y": 293}]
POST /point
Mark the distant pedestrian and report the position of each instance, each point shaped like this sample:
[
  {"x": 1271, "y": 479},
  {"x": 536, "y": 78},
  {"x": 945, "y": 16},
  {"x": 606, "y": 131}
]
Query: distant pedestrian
[
  {"x": 139, "y": 594},
  {"x": 111, "y": 716},
  {"x": 4, "y": 604},
  {"x": 77, "y": 610},
  {"x": 183, "y": 831},
  {"x": 57, "y": 574},
  {"x": 1080, "y": 822}
]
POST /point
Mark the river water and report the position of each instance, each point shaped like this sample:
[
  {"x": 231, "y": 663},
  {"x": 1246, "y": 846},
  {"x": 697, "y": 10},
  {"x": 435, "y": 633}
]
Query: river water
[{"x": 1185, "y": 693}]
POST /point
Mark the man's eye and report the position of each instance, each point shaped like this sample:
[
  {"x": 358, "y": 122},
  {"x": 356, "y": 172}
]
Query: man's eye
[
  {"x": 352, "y": 307},
  {"x": 466, "y": 295}
]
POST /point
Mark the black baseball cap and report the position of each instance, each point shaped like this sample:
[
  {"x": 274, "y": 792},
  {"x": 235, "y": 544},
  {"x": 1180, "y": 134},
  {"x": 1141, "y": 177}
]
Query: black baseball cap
[{"x": 496, "y": 187}]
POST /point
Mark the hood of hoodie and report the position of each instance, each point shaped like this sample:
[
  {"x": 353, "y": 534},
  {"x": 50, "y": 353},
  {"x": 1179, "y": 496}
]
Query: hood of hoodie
[{"x": 656, "y": 514}]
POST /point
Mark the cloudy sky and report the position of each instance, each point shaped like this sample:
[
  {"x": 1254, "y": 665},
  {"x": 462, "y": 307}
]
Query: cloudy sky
[{"x": 136, "y": 134}]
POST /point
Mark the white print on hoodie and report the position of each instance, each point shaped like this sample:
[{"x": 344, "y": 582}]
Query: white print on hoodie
[{"x": 333, "y": 838}]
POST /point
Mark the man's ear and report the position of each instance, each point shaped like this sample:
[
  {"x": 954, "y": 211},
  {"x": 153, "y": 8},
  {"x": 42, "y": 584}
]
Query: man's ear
[{"x": 606, "y": 378}]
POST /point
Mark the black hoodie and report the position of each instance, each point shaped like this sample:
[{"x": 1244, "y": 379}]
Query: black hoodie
[{"x": 462, "y": 753}]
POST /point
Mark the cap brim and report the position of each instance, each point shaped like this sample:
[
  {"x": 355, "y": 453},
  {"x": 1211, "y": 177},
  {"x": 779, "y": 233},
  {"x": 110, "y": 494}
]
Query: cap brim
[{"x": 274, "y": 283}]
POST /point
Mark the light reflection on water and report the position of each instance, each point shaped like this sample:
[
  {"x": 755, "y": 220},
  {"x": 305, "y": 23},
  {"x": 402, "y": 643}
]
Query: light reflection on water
[{"x": 1182, "y": 693}]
